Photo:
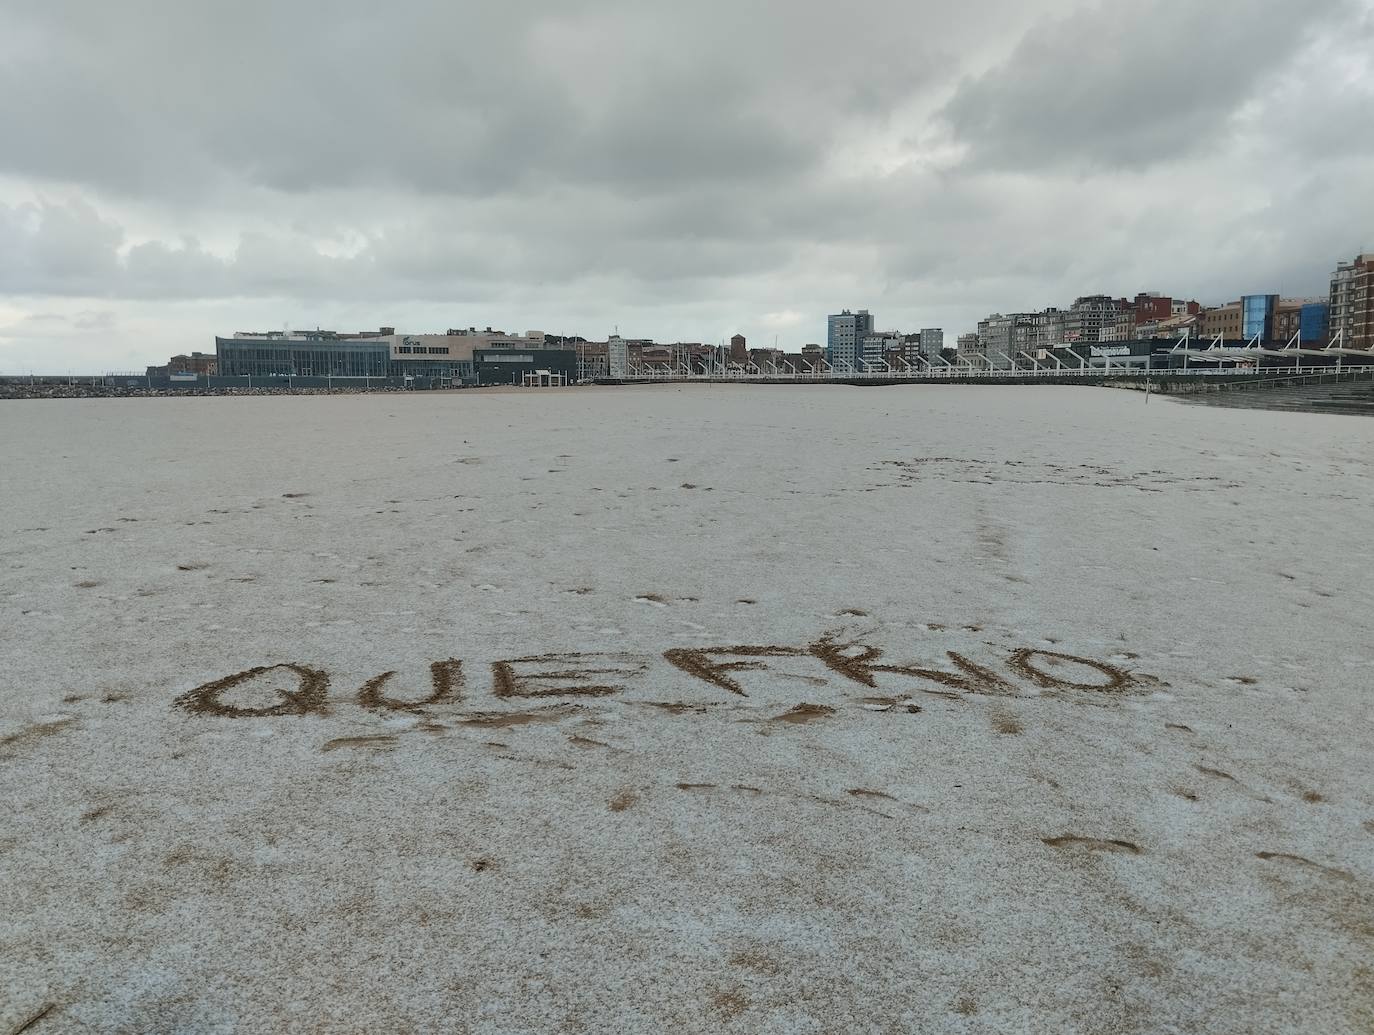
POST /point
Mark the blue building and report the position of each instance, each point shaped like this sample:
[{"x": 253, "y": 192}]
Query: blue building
[
  {"x": 1257, "y": 316},
  {"x": 1314, "y": 323}
]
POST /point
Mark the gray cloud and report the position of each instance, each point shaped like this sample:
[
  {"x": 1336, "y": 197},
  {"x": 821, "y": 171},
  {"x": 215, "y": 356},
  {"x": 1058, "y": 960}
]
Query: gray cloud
[
  {"x": 450, "y": 99},
  {"x": 680, "y": 170},
  {"x": 1126, "y": 85}
]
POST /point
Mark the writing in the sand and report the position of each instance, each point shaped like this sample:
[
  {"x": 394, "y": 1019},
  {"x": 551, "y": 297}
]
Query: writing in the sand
[{"x": 1023, "y": 671}]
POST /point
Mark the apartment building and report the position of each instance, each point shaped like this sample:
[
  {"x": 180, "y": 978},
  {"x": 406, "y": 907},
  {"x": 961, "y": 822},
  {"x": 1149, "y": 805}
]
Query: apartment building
[{"x": 1352, "y": 302}]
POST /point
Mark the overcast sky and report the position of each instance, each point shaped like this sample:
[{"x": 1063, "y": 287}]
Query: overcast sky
[{"x": 682, "y": 171}]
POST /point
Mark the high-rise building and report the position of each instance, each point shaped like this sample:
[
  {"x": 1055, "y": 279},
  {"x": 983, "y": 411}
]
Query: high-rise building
[
  {"x": 845, "y": 333},
  {"x": 1352, "y": 302},
  {"x": 739, "y": 349}
]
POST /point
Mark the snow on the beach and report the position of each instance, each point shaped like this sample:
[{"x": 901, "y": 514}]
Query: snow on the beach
[{"x": 1136, "y": 797}]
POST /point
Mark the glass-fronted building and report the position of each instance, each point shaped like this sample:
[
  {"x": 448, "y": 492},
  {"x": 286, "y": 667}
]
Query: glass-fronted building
[
  {"x": 285, "y": 357},
  {"x": 508, "y": 366},
  {"x": 309, "y": 356},
  {"x": 1257, "y": 317},
  {"x": 1314, "y": 323}
]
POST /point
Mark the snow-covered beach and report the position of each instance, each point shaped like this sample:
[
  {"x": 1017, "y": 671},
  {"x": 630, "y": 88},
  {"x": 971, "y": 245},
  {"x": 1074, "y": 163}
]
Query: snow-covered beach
[{"x": 965, "y": 709}]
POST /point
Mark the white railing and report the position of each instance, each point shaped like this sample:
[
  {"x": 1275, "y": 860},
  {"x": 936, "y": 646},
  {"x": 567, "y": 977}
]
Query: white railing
[{"x": 1038, "y": 373}]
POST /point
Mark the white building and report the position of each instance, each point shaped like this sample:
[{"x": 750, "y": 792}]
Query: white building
[{"x": 617, "y": 356}]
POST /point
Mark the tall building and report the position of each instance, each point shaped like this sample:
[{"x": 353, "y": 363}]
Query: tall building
[
  {"x": 739, "y": 350},
  {"x": 1088, "y": 315},
  {"x": 1352, "y": 302},
  {"x": 1047, "y": 328},
  {"x": 617, "y": 356},
  {"x": 932, "y": 342},
  {"x": 1023, "y": 330},
  {"x": 845, "y": 333},
  {"x": 1001, "y": 339},
  {"x": 994, "y": 339}
]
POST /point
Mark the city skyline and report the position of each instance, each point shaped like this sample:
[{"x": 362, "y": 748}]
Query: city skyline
[
  {"x": 1198, "y": 326},
  {"x": 678, "y": 174}
]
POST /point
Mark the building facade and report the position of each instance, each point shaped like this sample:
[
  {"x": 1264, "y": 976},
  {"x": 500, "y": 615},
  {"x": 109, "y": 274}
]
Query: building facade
[
  {"x": 1088, "y": 315},
  {"x": 279, "y": 356},
  {"x": 1047, "y": 329},
  {"x": 739, "y": 349},
  {"x": 932, "y": 342},
  {"x": 845, "y": 333},
  {"x": 1222, "y": 321},
  {"x": 505, "y": 365},
  {"x": 1121, "y": 328},
  {"x": 386, "y": 355},
  {"x": 994, "y": 337},
  {"x": 1314, "y": 324},
  {"x": 1352, "y": 302},
  {"x": 1257, "y": 313},
  {"x": 197, "y": 364},
  {"x": 1151, "y": 306},
  {"x": 876, "y": 347},
  {"x": 617, "y": 355},
  {"x": 1002, "y": 338}
]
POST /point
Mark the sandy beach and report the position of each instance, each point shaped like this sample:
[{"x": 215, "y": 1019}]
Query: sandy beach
[{"x": 690, "y": 709}]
